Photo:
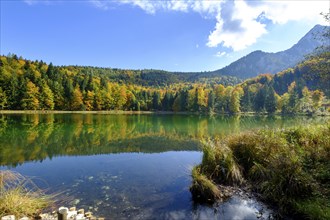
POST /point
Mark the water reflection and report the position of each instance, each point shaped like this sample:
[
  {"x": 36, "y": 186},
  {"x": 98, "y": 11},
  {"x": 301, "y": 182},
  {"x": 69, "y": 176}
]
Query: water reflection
[
  {"x": 35, "y": 137},
  {"x": 125, "y": 166}
]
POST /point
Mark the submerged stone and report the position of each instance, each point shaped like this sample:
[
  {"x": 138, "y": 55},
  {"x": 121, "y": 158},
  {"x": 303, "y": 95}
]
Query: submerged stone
[
  {"x": 76, "y": 201},
  {"x": 106, "y": 187}
]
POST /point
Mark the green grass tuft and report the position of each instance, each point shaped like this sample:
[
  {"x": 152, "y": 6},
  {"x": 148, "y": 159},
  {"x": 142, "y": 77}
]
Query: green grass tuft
[
  {"x": 314, "y": 208},
  {"x": 19, "y": 196}
]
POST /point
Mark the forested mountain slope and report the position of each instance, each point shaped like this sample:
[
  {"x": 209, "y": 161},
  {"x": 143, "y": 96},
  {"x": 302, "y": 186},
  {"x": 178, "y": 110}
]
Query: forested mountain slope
[
  {"x": 259, "y": 62},
  {"x": 34, "y": 85}
]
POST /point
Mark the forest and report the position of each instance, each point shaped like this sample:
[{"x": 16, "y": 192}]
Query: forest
[{"x": 35, "y": 85}]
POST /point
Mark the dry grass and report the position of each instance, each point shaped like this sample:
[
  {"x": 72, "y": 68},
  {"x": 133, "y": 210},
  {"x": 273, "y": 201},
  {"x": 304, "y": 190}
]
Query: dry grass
[{"x": 19, "y": 196}]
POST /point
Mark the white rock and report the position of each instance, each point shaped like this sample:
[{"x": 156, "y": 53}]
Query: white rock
[
  {"x": 24, "y": 218},
  {"x": 63, "y": 210},
  {"x": 8, "y": 217},
  {"x": 80, "y": 217},
  {"x": 72, "y": 214}
]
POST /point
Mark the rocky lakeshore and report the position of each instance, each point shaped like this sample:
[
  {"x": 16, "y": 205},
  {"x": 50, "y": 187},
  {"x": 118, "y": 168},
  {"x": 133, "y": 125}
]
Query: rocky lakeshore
[{"x": 63, "y": 213}]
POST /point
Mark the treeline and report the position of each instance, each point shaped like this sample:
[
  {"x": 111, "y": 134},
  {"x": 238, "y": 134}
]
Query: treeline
[{"x": 34, "y": 85}]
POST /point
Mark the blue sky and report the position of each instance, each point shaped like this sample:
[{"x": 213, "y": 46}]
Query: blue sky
[{"x": 170, "y": 35}]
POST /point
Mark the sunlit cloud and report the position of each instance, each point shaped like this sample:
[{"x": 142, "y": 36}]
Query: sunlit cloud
[{"x": 241, "y": 23}]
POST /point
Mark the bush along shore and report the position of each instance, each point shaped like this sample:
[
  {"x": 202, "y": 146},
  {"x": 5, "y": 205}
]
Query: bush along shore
[{"x": 288, "y": 168}]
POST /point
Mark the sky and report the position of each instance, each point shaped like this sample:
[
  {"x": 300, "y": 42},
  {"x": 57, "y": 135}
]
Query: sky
[{"x": 173, "y": 35}]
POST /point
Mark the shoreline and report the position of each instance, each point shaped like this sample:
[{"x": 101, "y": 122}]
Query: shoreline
[{"x": 124, "y": 112}]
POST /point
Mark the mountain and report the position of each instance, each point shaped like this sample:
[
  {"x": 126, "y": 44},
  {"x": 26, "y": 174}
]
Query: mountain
[
  {"x": 312, "y": 73},
  {"x": 259, "y": 62}
]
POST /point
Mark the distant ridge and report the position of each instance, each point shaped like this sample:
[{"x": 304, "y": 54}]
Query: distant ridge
[{"x": 259, "y": 62}]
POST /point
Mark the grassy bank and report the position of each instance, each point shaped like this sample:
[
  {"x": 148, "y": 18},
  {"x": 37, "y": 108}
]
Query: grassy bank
[
  {"x": 19, "y": 196},
  {"x": 289, "y": 168}
]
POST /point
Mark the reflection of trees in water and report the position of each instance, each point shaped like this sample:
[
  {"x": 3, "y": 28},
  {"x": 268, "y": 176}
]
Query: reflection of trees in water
[{"x": 32, "y": 137}]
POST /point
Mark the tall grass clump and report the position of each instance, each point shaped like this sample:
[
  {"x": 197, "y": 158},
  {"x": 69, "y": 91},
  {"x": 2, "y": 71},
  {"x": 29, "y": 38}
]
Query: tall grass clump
[
  {"x": 218, "y": 167},
  {"x": 287, "y": 167},
  {"x": 19, "y": 196},
  {"x": 273, "y": 165},
  {"x": 204, "y": 189},
  {"x": 219, "y": 164}
]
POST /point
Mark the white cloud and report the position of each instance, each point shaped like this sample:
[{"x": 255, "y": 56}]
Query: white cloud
[
  {"x": 281, "y": 12},
  {"x": 151, "y": 7},
  {"x": 238, "y": 24},
  {"x": 220, "y": 54},
  {"x": 45, "y": 2},
  {"x": 250, "y": 29},
  {"x": 243, "y": 30},
  {"x": 211, "y": 8},
  {"x": 100, "y": 4}
]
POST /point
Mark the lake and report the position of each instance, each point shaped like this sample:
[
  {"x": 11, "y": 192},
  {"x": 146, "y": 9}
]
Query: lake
[{"x": 126, "y": 166}]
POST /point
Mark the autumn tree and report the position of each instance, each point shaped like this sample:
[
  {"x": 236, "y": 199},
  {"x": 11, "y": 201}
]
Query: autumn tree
[
  {"x": 107, "y": 99},
  {"x": 220, "y": 100},
  {"x": 30, "y": 99},
  {"x": 234, "y": 104},
  {"x": 89, "y": 100},
  {"x": 46, "y": 97},
  {"x": 77, "y": 99},
  {"x": 119, "y": 96},
  {"x": 305, "y": 103},
  {"x": 317, "y": 98}
]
